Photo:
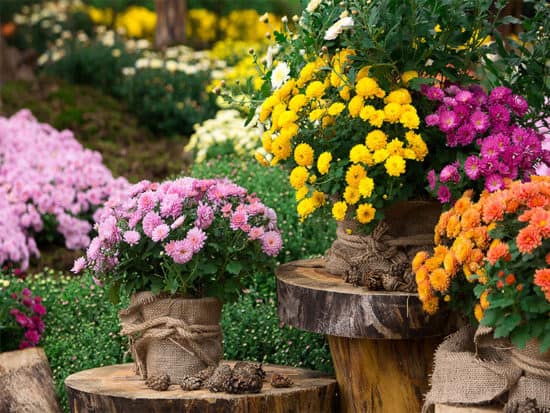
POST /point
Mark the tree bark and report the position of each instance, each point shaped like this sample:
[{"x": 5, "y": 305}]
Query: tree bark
[{"x": 171, "y": 18}]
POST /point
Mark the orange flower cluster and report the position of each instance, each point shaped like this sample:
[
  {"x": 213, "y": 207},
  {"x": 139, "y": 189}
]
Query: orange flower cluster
[{"x": 465, "y": 247}]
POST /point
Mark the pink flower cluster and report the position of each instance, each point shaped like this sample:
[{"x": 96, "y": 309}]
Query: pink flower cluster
[
  {"x": 45, "y": 171},
  {"x": 486, "y": 129},
  {"x": 29, "y": 318},
  {"x": 181, "y": 216}
]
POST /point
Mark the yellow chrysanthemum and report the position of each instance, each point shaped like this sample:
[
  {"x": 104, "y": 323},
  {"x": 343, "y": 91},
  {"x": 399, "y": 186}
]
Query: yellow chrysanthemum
[
  {"x": 327, "y": 121},
  {"x": 355, "y": 105},
  {"x": 377, "y": 118},
  {"x": 440, "y": 280},
  {"x": 303, "y": 154},
  {"x": 366, "y": 112},
  {"x": 375, "y": 140},
  {"x": 359, "y": 154},
  {"x": 395, "y": 147},
  {"x": 335, "y": 78},
  {"x": 306, "y": 74},
  {"x": 277, "y": 111},
  {"x": 409, "y": 119},
  {"x": 366, "y": 87},
  {"x": 484, "y": 300},
  {"x": 408, "y": 76},
  {"x": 366, "y": 186},
  {"x": 345, "y": 93},
  {"x": 289, "y": 131},
  {"x": 409, "y": 154},
  {"x": 302, "y": 192},
  {"x": 363, "y": 72},
  {"x": 351, "y": 195},
  {"x": 318, "y": 198},
  {"x": 395, "y": 165},
  {"x": 399, "y": 96},
  {"x": 418, "y": 260},
  {"x": 323, "y": 162},
  {"x": 287, "y": 117},
  {"x": 312, "y": 179},
  {"x": 365, "y": 213},
  {"x": 267, "y": 140},
  {"x": 315, "y": 89},
  {"x": 298, "y": 177},
  {"x": 297, "y": 102},
  {"x": 478, "y": 312},
  {"x": 380, "y": 155},
  {"x": 336, "y": 108},
  {"x": 316, "y": 114},
  {"x": 339, "y": 210},
  {"x": 305, "y": 207},
  {"x": 285, "y": 90},
  {"x": 392, "y": 112},
  {"x": 431, "y": 305},
  {"x": 281, "y": 148},
  {"x": 354, "y": 175}
]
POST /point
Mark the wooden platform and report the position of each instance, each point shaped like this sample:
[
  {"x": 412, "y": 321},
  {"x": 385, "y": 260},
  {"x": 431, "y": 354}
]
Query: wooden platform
[
  {"x": 117, "y": 389},
  {"x": 382, "y": 343},
  {"x": 445, "y": 408}
]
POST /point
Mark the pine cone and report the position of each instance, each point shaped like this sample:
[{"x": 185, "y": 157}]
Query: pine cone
[
  {"x": 191, "y": 383},
  {"x": 526, "y": 406},
  {"x": 249, "y": 368},
  {"x": 206, "y": 373},
  {"x": 158, "y": 383},
  {"x": 280, "y": 380},
  {"x": 243, "y": 382},
  {"x": 216, "y": 382}
]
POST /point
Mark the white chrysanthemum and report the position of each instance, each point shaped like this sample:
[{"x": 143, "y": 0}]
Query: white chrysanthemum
[
  {"x": 156, "y": 63},
  {"x": 280, "y": 75},
  {"x": 312, "y": 5},
  {"x": 337, "y": 28},
  {"x": 142, "y": 63},
  {"x": 171, "y": 65}
]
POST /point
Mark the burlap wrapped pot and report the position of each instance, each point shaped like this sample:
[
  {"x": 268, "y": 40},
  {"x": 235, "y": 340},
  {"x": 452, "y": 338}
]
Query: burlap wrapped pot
[
  {"x": 172, "y": 335},
  {"x": 382, "y": 259}
]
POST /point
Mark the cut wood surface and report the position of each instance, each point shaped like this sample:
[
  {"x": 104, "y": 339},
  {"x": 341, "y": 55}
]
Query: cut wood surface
[
  {"x": 312, "y": 299},
  {"x": 445, "y": 408},
  {"x": 118, "y": 389},
  {"x": 26, "y": 384}
]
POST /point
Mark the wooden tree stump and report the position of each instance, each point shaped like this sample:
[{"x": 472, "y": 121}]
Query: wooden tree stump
[
  {"x": 382, "y": 343},
  {"x": 26, "y": 383},
  {"x": 446, "y": 408},
  {"x": 118, "y": 389}
]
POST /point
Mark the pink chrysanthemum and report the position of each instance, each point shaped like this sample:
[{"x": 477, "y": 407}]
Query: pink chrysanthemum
[
  {"x": 160, "y": 232},
  {"x": 196, "y": 238},
  {"x": 271, "y": 243},
  {"x": 182, "y": 251},
  {"x": 132, "y": 237}
]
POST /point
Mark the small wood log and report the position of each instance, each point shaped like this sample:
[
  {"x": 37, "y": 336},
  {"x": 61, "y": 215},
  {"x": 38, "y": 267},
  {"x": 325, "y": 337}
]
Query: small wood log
[
  {"x": 382, "y": 376},
  {"x": 312, "y": 299},
  {"x": 26, "y": 383},
  {"x": 171, "y": 19},
  {"x": 117, "y": 389},
  {"x": 446, "y": 408}
]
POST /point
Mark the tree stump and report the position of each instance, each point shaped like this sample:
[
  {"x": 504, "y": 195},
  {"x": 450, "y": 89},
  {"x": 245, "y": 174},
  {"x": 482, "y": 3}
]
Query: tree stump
[
  {"x": 118, "y": 389},
  {"x": 382, "y": 343},
  {"x": 447, "y": 408},
  {"x": 26, "y": 383}
]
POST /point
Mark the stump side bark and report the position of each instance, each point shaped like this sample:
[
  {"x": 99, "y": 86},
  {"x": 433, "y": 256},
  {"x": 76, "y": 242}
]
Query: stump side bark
[
  {"x": 382, "y": 376},
  {"x": 117, "y": 389},
  {"x": 26, "y": 383}
]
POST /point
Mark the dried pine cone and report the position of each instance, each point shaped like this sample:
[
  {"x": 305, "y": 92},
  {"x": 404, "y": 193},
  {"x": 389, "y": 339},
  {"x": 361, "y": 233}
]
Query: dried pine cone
[
  {"x": 280, "y": 380},
  {"x": 242, "y": 381},
  {"x": 526, "y": 406},
  {"x": 206, "y": 373},
  {"x": 249, "y": 368},
  {"x": 158, "y": 383},
  {"x": 216, "y": 382},
  {"x": 191, "y": 383}
]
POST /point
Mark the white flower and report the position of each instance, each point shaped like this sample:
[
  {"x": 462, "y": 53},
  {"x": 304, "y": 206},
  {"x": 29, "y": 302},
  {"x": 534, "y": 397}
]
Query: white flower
[
  {"x": 156, "y": 63},
  {"x": 142, "y": 44},
  {"x": 128, "y": 71},
  {"x": 334, "y": 30},
  {"x": 142, "y": 63},
  {"x": 271, "y": 52},
  {"x": 280, "y": 75},
  {"x": 171, "y": 65},
  {"x": 312, "y": 5}
]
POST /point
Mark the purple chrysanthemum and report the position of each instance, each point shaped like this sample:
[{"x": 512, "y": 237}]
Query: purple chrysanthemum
[
  {"x": 443, "y": 194},
  {"x": 205, "y": 216},
  {"x": 472, "y": 167},
  {"x": 494, "y": 182},
  {"x": 447, "y": 120},
  {"x": 480, "y": 121},
  {"x": 449, "y": 173},
  {"x": 432, "y": 179}
]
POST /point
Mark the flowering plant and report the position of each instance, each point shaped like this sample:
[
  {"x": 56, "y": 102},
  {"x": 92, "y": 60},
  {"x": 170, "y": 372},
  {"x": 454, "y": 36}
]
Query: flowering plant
[
  {"x": 340, "y": 105},
  {"x": 490, "y": 144},
  {"x": 491, "y": 261},
  {"x": 21, "y": 323},
  {"x": 189, "y": 236}
]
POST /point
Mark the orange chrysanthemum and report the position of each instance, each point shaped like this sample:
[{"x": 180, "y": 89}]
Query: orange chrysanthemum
[
  {"x": 497, "y": 250},
  {"x": 542, "y": 279},
  {"x": 420, "y": 275},
  {"x": 453, "y": 226},
  {"x": 493, "y": 209},
  {"x": 431, "y": 305},
  {"x": 450, "y": 263},
  {"x": 483, "y": 300},
  {"x": 528, "y": 239},
  {"x": 418, "y": 260},
  {"x": 463, "y": 249},
  {"x": 540, "y": 219},
  {"x": 440, "y": 280},
  {"x": 547, "y": 259},
  {"x": 470, "y": 219}
]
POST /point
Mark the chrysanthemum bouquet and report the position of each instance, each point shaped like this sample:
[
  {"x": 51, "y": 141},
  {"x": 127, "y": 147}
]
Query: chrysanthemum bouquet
[
  {"x": 340, "y": 105},
  {"x": 189, "y": 236},
  {"x": 492, "y": 261},
  {"x": 490, "y": 143}
]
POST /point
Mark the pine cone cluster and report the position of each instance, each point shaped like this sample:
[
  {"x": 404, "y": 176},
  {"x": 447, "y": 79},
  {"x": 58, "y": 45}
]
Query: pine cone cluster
[
  {"x": 189, "y": 383},
  {"x": 527, "y": 406},
  {"x": 280, "y": 380},
  {"x": 243, "y": 378},
  {"x": 216, "y": 382},
  {"x": 158, "y": 383}
]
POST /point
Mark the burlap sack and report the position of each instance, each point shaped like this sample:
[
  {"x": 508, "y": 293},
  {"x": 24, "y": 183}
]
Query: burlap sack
[
  {"x": 469, "y": 371},
  {"x": 535, "y": 383},
  {"x": 174, "y": 336},
  {"x": 381, "y": 260}
]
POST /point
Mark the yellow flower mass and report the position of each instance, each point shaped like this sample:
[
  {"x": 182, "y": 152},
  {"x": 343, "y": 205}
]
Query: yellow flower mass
[
  {"x": 336, "y": 108},
  {"x": 323, "y": 162},
  {"x": 315, "y": 89},
  {"x": 408, "y": 76},
  {"x": 392, "y": 112},
  {"x": 297, "y": 102},
  {"x": 303, "y": 155},
  {"x": 351, "y": 195},
  {"x": 377, "y": 118},
  {"x": 399, "y": 96},
  {"x": 366, "y": 186},
  {"x": 366, "y": 87},
  {"x": 298, "y": 177},
  {"x": 395, "y": 165},
  {"x": 355, "y": 105},
  {"x": 365, "y": 213},
  {"x": 359, "y": 154},
  {"x": 305, "y": 207},
  {"x": 375, "y": 140},
  {"x": 354, "y": 175},
  {"x": 339, "y": 210}
]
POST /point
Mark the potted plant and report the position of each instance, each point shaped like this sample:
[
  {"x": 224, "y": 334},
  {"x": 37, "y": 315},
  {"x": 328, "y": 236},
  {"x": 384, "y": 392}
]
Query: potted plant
[
  {"x": 181, "y": 248},
  {"x": 341, "y": 108}
]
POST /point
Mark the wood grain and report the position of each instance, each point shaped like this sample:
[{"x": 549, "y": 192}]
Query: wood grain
[
  {"x": 445, "y": 408},
  {"x": 26, "y": 383},
  {"x": 312, "y": 299},
  {"x": 117, "y": 389}
]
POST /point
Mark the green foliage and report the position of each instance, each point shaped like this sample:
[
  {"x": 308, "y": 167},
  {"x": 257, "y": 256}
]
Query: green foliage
[
  {"x": 252, "y": 331},
  {"x": 300, "y": 239}
]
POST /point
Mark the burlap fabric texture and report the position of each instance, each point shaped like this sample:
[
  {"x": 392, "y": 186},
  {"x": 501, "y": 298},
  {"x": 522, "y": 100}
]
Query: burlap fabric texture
[
  {"x": 472, "y": 368},
  {"x": 382, "y": 259},
  {"x": 174, "y": 336}
]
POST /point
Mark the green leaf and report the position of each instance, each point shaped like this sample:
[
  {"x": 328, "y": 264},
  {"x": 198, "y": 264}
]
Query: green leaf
[
  {"x": 234, "y": 267},
  {"x": 502, "y": 302},
  {"x": 489, "y": 317},
  {"x": 521, "y": 335},
  {"x": 533, "y": 304},
  {"x": 208, "y": 268},
  {"x": 507, "y": 326}
]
